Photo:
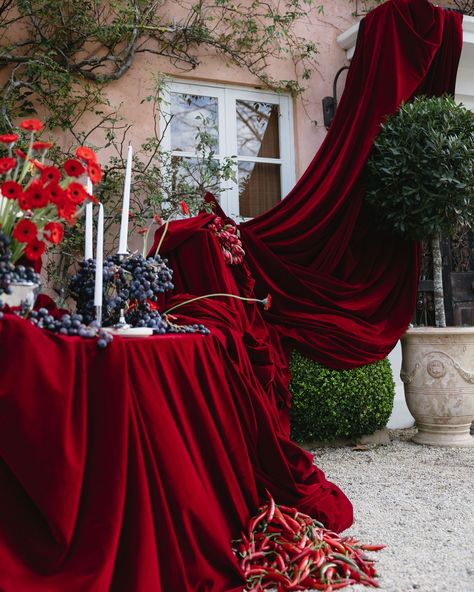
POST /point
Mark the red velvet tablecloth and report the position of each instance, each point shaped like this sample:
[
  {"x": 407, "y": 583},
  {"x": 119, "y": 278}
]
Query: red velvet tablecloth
[{"x": 131, "y": 468}]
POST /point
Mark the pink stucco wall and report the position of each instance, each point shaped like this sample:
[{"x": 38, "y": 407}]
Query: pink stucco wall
[{"x": 127, "y": 93}]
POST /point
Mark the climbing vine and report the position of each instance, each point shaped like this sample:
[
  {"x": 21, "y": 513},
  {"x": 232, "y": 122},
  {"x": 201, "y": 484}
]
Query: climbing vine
[{"x": 57, "y": 56}]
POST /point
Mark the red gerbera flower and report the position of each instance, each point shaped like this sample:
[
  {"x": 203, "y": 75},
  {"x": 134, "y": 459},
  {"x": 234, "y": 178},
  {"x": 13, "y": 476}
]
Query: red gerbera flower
[
  {"x": 7, "y": 164},
  {"x": 24, "y": 202},
  {"x": 37, "y": 164},
  {"x": 86, "y": 154},
  {"x": 11, "y": 189},
  {"x": 56, "y": 232},
  {"x": 55, "y": 194},
  {"x": 92, "y": 198},
  {"x": 267, "y": 302},
  {"x": 67, "y": 211},
  {"x": 94, "y": 171},
  {"x": 184, "y": 208},
  {"x": 31, "y": 125},
  {"x": 25, "y": 231},
  {"x": 76, "y": 193},
  {"x": 50, "y": 174},
  {"x": 8, "y": 138},
  {"x": 41, "y": 145},
  {"x": 36, "y": 195},
  {"x": 73, "y": 168},
  {"x": 35, "y": 249}
]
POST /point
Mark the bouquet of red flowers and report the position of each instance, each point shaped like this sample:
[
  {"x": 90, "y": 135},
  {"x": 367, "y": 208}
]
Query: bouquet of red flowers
[{"x": 37, "y": 198}]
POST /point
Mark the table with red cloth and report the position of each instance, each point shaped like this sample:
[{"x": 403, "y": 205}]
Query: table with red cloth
[{"x": 132, "y": 468}]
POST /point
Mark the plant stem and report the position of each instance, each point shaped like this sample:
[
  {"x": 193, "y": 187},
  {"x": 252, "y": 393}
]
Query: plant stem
[
  {"x": 262, "y": 300},
  {"x": 440, "y": 317}
]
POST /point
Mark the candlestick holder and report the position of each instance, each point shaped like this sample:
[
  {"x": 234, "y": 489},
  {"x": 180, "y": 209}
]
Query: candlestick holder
[{"x": 122, "y": 323}]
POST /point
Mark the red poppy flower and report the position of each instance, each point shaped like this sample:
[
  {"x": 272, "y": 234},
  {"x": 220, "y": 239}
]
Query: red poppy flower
[
  {"x": 20, "y": 153},
  {"x": 50, "y": 174},
  {"x": 8, "y": 138},
  {"x": 142, "y": 231},
  {"x": 67, "y": 211},
  {"x": 36, "y": 195},
  {"x": 56, "y": 232},
  {"x": 31, "y": 125},
  {"x": 7, "y": 164},
  {"x": 157, "y": 220},
  {"x": 41, "y": 145},
  {"x": 24, "y": 203},
  {"x": 184, "y": 208},
  {"x": 11, "y": 189},
  {"x": 73, "y": 167},
  {"x": 86, "y": 154},
  {"x": 55, "y": 194},
  {"x": 76, "y": 193},
  {"x": 94, "y": 171},
  {"x": 25, "y": 231},
  {"x": 35, "y": 249}
]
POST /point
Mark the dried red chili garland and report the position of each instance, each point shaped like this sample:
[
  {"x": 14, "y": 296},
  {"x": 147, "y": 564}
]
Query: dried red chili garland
[{"x": 288, "y": 550}]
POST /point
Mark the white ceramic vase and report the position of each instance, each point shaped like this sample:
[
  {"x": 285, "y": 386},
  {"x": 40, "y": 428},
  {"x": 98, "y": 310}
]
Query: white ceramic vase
[{"x": 23, "y": 293}]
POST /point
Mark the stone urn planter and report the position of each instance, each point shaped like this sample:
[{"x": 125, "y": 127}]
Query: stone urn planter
[{"x": 438, "y": 376}]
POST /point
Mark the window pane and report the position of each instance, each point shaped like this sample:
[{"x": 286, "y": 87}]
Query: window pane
[
  {"x": 193, "y": 174},
  {"x": 257, "y": 129},
  {"x": 259, "y": 187},
  {"x": 190, "y": 112}
]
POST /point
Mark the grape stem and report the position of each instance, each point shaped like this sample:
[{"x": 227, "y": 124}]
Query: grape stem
[{"x": 263, "y": 301}]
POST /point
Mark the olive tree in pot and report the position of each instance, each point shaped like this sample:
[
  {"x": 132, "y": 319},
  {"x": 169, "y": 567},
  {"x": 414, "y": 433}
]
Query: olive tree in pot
[{"x": 420, "y": 179}]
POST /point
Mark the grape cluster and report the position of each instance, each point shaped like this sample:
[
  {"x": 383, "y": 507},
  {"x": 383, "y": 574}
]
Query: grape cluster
[
  {"x": 10, "y": 274},
  {"x": 231, "y": 245},
  {"x": 132, "y": 284},
  {"x": 70, "y": 325}
]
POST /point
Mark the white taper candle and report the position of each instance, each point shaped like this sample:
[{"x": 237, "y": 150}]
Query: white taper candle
[
  {"x": 123, "y": 241},
  {"x": 99, "y": 258},
  {"x": 88, "y": 248}
]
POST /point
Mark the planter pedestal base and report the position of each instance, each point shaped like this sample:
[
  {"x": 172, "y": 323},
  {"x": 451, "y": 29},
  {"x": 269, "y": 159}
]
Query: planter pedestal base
[{"x": 438, "y": 435}]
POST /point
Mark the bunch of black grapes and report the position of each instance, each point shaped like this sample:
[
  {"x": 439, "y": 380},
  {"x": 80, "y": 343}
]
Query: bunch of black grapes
[{"x": 131, "y": 284}]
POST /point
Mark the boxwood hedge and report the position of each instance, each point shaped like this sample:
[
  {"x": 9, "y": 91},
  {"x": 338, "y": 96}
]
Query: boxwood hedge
[{"x": 331, "y": 404}]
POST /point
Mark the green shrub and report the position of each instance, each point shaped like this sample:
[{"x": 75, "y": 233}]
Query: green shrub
[{"x": 329, "y": 404}]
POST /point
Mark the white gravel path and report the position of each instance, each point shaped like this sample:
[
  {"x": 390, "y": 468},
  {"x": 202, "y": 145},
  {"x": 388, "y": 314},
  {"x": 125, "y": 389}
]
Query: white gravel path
[{"x": 419, "y": 501}]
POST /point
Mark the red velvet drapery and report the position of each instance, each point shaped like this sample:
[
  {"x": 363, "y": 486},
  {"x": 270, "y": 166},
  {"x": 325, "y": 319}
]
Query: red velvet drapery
[
  {"x": 131, "y": 469},
  {"x": 342, "y": 291}
]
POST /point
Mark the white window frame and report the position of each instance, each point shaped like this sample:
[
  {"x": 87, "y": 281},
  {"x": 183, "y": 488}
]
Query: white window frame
[{"x": 227, "y": 96}]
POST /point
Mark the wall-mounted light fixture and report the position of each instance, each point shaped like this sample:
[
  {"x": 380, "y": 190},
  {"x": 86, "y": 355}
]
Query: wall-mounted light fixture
[{"x": 330, "y": 103}]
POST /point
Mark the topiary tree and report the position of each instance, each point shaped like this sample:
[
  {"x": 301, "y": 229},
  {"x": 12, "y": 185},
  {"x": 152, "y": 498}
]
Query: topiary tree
[
  {"x": 421, "y": 176},
  {"x": 329, "y": 404}
]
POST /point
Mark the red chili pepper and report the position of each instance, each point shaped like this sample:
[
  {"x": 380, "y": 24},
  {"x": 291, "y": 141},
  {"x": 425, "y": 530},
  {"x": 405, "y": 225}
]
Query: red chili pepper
[
  {"x": 372, "y": 547},
  {"x": 271, "y": 510}
]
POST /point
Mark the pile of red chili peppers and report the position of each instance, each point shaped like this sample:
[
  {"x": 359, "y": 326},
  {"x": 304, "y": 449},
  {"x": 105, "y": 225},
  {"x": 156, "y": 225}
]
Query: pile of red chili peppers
[{"x": 287, "y": 550}]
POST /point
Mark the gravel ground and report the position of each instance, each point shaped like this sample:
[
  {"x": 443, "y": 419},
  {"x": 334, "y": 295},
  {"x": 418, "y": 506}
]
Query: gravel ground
[{"x": 417, "y": 500}]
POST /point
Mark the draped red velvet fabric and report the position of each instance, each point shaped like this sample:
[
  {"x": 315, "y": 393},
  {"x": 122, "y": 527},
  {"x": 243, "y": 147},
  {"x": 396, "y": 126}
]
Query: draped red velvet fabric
[
  {"x": 130, "y": 469},
  {"x": 343, "y": 292}
]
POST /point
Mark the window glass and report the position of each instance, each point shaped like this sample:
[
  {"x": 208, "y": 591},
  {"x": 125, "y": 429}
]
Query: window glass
[
  {"x": 190, "y": 112},
  {"x": 257, "y": 129},
  {"x": 259, "y": 187}
]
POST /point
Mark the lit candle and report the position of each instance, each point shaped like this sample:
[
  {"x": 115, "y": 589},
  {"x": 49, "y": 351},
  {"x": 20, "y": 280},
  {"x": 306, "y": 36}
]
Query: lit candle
[
  {"x": 88, "y": 237},
  {"x": 99, "y": 258},
  {"x": 123, "y": 250}
]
